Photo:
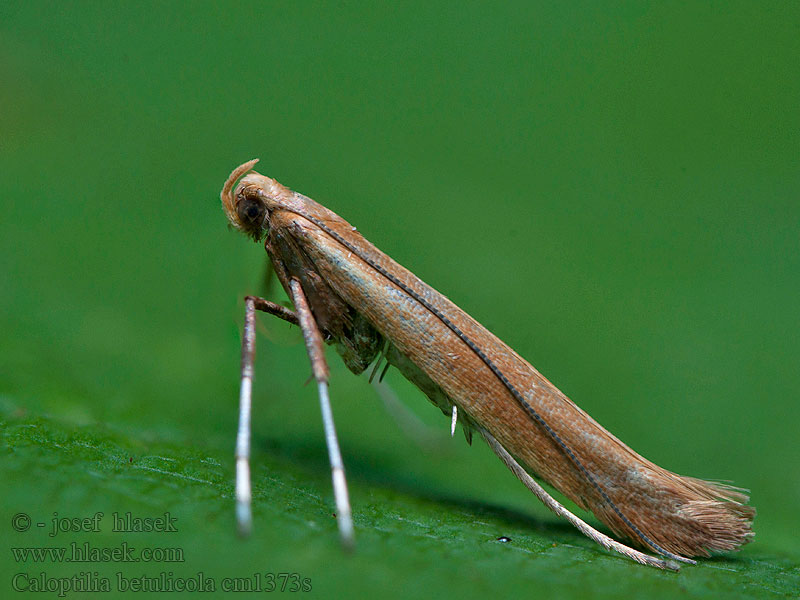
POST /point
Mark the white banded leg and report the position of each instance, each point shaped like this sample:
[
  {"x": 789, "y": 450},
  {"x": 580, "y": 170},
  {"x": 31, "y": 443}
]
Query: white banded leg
[
  {"x": 244, "y": 513},
  {"x": 315, "y": 349}
]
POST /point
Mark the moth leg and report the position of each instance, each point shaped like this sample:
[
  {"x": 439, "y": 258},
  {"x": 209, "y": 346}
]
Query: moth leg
[
  {"x": 581, "y": 525},
  {"x": 315, "y": 349},
  {"x": 244, "y": 513},
  {"x": 381, "y": 356},
  {"x": 274, "y": 309}
]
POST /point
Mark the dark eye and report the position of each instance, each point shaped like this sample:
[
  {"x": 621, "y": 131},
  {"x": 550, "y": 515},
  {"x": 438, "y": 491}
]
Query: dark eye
[
  {"x": 251, "y": 217},
  {"x": 251, "y": 212}
]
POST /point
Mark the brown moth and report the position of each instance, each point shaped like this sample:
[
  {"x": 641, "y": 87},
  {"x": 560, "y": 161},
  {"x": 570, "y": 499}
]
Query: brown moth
[{"x": 351, "y": 294}]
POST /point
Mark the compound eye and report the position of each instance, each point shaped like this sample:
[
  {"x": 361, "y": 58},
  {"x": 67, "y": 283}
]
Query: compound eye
[
  {"x": 251, "y": 211},
  {"x": 251, "y": 215}
]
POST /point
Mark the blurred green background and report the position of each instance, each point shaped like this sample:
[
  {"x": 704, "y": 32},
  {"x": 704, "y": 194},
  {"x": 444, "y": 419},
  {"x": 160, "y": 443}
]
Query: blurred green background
[{"x": 612, "y": 188}]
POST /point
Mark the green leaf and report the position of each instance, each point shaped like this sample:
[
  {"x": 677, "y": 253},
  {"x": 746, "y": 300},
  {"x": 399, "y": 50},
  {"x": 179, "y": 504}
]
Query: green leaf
[{"x": 409, "y": 542}]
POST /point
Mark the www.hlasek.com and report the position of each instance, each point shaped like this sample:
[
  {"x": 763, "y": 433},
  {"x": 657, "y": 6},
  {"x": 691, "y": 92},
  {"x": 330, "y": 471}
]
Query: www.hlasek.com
[{"x": 88, "y": 553}]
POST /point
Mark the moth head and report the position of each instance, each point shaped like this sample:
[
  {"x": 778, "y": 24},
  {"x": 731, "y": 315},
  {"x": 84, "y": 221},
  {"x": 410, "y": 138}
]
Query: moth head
[{"x": 247, "y": 205}]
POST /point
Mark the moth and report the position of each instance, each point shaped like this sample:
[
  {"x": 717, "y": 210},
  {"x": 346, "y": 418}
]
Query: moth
[{"x": 348, "y": 293}]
